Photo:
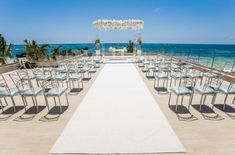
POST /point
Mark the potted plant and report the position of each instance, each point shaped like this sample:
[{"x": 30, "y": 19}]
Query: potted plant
[
  {"x": 139, "y": 43},
  {"x": 5, "y": 50},
  {"x": 130, "y": 47},
  {"x": 35, "y": 52},
  {"x": 70, "y": 52},
  {"x": 97, "y": 46},
  {"x": 56, "y": 52}
]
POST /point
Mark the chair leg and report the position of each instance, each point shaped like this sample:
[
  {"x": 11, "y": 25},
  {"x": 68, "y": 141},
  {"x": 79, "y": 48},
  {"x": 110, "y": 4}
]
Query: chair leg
[
  {"x": 176, "y": 107},
  {"x": 213, "y": 101},
  {"x": 190, "y": 101},
  {"x": 5, "y": 100},
  {"x": 66, "y": 95},
  {"x": 60, "y": 104},
  {"x": 201, "y": 103},
  {"x": 171, "y": 82},
  {"x": 82, "y": 84},
  {"x": 33, "y": 101},
  {"x": 78, "y": 84},
  {"x": 201, "y": 81},
  {"x": 36, "y": 102},
  {"x": 182, "y": 99},
  {"x": 166, "y": 83},
  {"x": 14, "y": 104},
  {"x": 54, "y": 101},
  {"x": 1, "y": 105},
  {"x": 204, "y": 100},
  {"x": 225, "y": 99},
  {"x": 47, "y": 103},
  {"x": 24, "y": 103},
  {"x": 154, "y": 85},
  {"x": 169, "y": 101}
]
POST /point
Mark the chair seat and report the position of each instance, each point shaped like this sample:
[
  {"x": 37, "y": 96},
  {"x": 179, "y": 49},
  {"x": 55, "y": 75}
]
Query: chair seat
[
  {"x": 145, "y": 69},
  {"x": 224, "y": 89},
  {"x": 59, "y": 69},
  {"x": 176, "y": 67},
  {"x": 211, "y": 75},
  {"x": 59, "y": 77},
  {"x": 56, "y": 91},
  {"x": 178, "y": 75},
  {"x": 4, "y": 92},
  {"x": 85, "y": 69},
  {"x": 194, "y": 75},
  {"x": 161, "y": 76},
  {"x": 188, "y": 67},
  {"x": 31, "y": 91},
  {"x": 180, "y": 90},
  {"x": 43, "y": 77},
  {"x": 75, "y": 77},
  {"x": 151, "y": 67},
  {"x": 28, "y": 77},
  {"x": 204, "y": 90}
]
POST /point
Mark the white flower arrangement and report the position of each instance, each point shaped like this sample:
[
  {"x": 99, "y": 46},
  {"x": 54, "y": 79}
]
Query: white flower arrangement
[{"x": 108, "y": 25}]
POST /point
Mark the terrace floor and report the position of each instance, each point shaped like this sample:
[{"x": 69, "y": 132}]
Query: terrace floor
[{"x": 200, "y": 134}]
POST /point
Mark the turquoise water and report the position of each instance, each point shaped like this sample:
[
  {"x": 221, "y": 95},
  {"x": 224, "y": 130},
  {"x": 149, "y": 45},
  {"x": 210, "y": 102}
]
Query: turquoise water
[
  {"x": 211, "y": 55},
  {"x": 176, "y": 49}
]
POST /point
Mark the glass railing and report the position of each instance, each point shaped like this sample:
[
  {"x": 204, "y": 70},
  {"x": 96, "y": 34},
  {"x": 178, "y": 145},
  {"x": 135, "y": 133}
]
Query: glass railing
[{"x": 218, "y": 59}]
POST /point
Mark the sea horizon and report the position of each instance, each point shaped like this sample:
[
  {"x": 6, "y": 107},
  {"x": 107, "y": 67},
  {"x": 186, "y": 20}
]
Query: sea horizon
[{"x": 72, "y": 43}]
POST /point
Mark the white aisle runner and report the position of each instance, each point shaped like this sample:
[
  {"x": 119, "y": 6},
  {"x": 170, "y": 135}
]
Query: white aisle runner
[{"x": 118, "y": 115}]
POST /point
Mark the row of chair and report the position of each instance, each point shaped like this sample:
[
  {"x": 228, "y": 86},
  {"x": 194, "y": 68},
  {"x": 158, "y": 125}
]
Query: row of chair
[
  {"x": 190, "y": 80},
  {"x": 51, "y": 82}
]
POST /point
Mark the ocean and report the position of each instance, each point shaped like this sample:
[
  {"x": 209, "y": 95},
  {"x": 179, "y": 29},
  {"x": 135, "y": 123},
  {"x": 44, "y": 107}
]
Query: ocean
[{"x": 207, "y": 54}]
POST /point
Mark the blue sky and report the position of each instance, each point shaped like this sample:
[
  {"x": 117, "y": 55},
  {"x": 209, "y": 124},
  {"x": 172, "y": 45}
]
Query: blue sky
[{"x": 166, "y": 21}]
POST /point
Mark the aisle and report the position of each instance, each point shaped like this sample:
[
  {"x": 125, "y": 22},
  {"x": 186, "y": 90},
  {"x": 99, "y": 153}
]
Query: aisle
[{"x": 118, "y": 115}]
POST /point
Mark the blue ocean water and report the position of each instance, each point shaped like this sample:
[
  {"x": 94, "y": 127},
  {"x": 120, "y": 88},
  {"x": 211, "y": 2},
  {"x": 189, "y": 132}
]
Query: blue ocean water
[
  {"x": 211, "y": 55},
  {"x": 192, "y": 50}
]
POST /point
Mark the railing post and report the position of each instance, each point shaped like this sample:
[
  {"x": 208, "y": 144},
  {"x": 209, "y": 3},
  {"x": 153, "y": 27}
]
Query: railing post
[
  {"x": 199, "y": 56},
  {"x": 233, "y": 66},
  {"x": 212, "y": 63},
  {"x": 189, "y": 52}
]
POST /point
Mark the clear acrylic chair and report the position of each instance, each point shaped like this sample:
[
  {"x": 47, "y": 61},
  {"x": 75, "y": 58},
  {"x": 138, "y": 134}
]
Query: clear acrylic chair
[
  {"x": 227, "y": 89},
  {"x": 75, "y": 77},
  {"x": 41, "y": 75},
  {"x": 55, "y": 92},
  {"x": 5, "y": 91},
  {"x": 181, "y": 90},
  {"x": 26, "y": 90},
  {"x": 209, "y": 88}
]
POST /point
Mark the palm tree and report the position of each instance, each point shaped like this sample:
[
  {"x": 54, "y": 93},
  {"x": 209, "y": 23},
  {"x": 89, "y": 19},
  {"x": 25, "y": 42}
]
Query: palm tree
[
  {"x": 5, "y": 50},
  {"x": 56, "y": 52},
  {"x": 36, "y": 52}
]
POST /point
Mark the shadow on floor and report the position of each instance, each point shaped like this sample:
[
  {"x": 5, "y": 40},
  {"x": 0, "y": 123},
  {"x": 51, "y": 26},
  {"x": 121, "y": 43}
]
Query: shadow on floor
[
  {"x": 161, "y": 90},
  {"x": 75, "y": 90},
  {"x": 183, "y": 113},
  {"x": 9, "y": 112},
  {"x": 150, "y": 77},
  {"x": 229, "y": 110},
  {"x": 86, "y": 79},
  {"x": 54, "y": 114},
  {"x": 207, "y": 112},
  {"x": 30, "y": 113}
]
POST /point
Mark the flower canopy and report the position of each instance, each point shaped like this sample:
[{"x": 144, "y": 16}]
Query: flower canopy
[{"x": 109, "y": 25}]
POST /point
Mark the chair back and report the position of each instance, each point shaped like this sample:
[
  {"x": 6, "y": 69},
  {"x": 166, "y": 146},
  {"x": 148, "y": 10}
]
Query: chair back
[
  {"x": 3, "y": 83},
  {"x": 18, "y": 82}
]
